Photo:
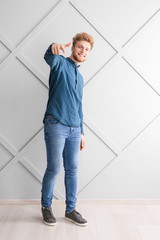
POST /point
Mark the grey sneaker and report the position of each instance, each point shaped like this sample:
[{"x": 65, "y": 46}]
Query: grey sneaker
[
  {"x": 75, "y": 217},
  {"x": 48, "y": 217}
]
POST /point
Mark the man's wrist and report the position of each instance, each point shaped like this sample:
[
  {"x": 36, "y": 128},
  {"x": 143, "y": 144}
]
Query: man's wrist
[{"x": 82, "y": 133}]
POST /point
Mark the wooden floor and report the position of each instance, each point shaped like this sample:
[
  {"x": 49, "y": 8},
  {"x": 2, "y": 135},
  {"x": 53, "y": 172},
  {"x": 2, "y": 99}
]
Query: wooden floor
[{"x": 107, "y": 220}]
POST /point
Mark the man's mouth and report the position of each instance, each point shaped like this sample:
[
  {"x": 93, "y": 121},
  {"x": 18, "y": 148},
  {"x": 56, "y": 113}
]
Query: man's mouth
[{"x": 81, "y": 55}]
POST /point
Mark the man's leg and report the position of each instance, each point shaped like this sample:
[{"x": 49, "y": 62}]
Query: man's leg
[
  {"x": 54, "y": 148},
  {"x": 55, "y": 141},
  {"x": 70, "y": 161}
]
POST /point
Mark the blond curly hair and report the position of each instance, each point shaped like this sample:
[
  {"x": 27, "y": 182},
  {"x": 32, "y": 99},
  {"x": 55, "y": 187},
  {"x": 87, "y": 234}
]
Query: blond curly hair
[{"x": 83, "y": 37}]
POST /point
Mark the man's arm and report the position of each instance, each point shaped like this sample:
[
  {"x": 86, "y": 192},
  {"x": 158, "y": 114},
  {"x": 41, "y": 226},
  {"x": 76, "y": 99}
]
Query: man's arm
[
  {"x": 51, "y": 58},
  {"x": 81, "y": 116},
  {"x": 82, "y": 144},
  {"x": 51, "y": 55}
]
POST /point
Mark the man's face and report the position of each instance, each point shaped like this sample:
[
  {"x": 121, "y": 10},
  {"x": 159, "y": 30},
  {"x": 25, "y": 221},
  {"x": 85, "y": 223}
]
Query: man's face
[{"x": 80, "y": 51}]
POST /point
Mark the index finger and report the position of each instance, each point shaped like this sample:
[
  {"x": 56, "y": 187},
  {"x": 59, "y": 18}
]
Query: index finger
[{"x": 67, "y": 45}]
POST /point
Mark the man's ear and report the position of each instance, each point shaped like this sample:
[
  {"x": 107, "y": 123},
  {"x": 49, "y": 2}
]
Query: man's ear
[{"x": 72, "y": 48}]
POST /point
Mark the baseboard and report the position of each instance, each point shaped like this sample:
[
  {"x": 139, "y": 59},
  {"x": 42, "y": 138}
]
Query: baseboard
[{"x": 84, "y": 201}]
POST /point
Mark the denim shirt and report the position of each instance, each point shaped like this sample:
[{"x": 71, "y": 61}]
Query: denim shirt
[{"x": 65, "y": 90}]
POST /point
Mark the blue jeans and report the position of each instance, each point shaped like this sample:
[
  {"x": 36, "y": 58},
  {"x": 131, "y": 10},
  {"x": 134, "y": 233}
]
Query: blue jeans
[{"x": 62, "y": 142}]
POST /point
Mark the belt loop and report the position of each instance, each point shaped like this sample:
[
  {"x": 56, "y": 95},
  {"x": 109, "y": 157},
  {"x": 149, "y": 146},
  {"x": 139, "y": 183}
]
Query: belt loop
[{"x": 71, "y": 129}]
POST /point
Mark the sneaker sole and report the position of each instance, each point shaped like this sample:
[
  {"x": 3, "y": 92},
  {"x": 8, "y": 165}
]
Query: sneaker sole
[
  {"x": 49, "y": 224},
  {"x": 79, "y": 224}
]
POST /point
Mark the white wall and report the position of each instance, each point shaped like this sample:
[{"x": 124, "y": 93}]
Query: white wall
[{"x": 121, "y": 95}]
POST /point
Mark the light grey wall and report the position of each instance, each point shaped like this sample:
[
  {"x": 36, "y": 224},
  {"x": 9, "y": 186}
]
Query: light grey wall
[{"x": 121, "y": 95}]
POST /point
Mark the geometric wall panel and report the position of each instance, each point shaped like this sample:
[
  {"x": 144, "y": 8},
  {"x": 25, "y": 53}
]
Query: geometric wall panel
[
  {"x": 145, "y": 51},
  {"x": 121, "y": 18},
  {"x": 52, "y": 33},
  {"x": 5, "y": 156},
  {"x": 121, "y": 102},
  {"x": 91, "y": 161},
  {"x": 23, "y": 100},
  {"x": 4, "y": 52},
  {"x": 23, "y": 16},
  {"x": 134, "y": 173},
  {"x": 125, "y": 104},
  {"x": 36, "y": 154},
  {"x": 18, "y": 183}
]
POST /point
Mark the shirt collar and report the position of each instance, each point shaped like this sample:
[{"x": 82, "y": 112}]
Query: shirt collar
[{"x": 73, "y": 63}]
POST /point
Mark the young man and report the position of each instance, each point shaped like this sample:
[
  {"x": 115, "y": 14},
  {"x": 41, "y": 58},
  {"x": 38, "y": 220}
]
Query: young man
[{"x": 63, "y": 124}]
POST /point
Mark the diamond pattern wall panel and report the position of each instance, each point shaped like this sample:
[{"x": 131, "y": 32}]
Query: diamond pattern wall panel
[
  {"x": 144, "y": 51},
  {"x": 18, "y": 18},
  {"x": 124, "y": 106},
  {"x": 5, "y": 156},
  {"x": 22, "y": 104},
  {"x": 18, "y": 183},
  {"x": 139, "y": 163},
  {"x": 121, "y": 19},
  {"x": 4, "y": 52},
  {"x": 121, "y": 102},
  {"x": 51, "y": 31},
  {"x": 37, "y": 148}
]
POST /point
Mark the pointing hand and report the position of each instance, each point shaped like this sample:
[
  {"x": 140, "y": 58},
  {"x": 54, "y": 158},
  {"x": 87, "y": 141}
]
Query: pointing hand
[{"x": 57, "y": 47}]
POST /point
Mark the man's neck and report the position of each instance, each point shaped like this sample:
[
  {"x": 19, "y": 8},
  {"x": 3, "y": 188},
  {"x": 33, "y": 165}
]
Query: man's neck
[{"x": 78, "y": 63}]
